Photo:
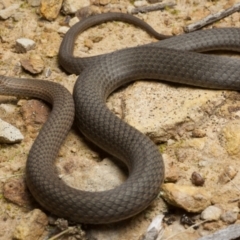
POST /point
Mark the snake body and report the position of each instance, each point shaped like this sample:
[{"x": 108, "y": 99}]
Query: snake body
[{"x": 168, "y": 60}]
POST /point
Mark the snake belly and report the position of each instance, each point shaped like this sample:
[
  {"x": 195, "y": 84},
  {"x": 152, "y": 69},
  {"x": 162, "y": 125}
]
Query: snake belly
[{"x": 167, "y": 60}]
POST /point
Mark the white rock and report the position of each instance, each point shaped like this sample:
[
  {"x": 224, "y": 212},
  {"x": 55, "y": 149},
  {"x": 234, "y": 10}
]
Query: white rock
[
  {"x": 211, "y": 213},
  {"x": 73, "y": 21},
  {"x": 71, "y": 6},
  {"x": 140, "y": 3},
  {"x": 8, "y": 133},
  {"x": 63, "y": 30},
  {"x": 24, "y": 44},
  {"x": 8, "y": 12},
  {"x": 8, "y": 108}
]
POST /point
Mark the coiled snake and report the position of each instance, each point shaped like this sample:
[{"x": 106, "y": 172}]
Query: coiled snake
[{"x": 172, "y": 60}]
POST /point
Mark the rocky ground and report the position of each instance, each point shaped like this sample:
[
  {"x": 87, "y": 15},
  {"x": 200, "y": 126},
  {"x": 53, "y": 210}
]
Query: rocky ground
[{"x": 197, "y": 130}]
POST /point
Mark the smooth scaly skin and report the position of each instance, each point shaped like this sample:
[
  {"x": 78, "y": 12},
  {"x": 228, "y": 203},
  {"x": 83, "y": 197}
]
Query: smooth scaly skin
[{"x": 99, "y": 77}]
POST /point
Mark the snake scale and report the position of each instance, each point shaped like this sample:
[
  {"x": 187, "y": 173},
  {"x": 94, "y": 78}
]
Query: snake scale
[{"x": 174, "y": 59}]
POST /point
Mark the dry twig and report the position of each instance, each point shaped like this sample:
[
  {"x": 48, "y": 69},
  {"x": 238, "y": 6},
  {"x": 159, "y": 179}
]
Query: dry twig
[
  {"x": 151, "y": 8},
  {"x": 212, "y": 18}
]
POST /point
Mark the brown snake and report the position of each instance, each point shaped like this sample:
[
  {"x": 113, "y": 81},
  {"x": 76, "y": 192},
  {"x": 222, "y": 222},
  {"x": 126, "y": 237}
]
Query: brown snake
[{"x": 169, "y": 60}]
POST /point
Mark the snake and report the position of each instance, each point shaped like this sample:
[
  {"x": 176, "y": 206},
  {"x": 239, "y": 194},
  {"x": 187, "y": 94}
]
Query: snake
[{"x": 178, "y": 59}]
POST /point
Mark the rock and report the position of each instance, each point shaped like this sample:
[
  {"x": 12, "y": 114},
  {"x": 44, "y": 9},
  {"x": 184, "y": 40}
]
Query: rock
[
  {"x": 88, "y": 43},
  {"x": 169, "y": 117},
  {"x": 9, "y": 11},
  {"x": 212, "y": 226},
  {"x": 104, "y": 2},
  {"x": 72, "y": 6},
  {"x": 34, "y": 64},
  {"x": 62, "y": 30},
  {"x": 198, "y": 133},
  {"x": 31, "y": 226},
  {"x": 230, "y": 216},
  {"x": 34, "y": 3},
  {"x": 87, "y": 11},
  {"x": 140, "y": 3},
  {"x": 227, "y": 175},
  {"x": 50, "y": 8},
  {"x": 197, "y": 179},
  {"x": 15, "y": 191},
  {"x": 24, "y": 44},
  {"x": 192, "y": 199},
  {"x": 9, "y": 134},
  {"x": 211, "y": 213},
  {"x": 73, "y": 21},
  {"x": 231, "y": 137},
  {"x": 34, "y": 111}
]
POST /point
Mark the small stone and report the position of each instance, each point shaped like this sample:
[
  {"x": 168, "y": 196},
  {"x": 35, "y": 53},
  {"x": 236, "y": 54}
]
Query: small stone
[
  {"x": 230, "y": 217},
  {"x": 87, "y": 11},
  {"x": 34, "y": 3},
  {"x": 50, "y": 8},
  {"x": 211, "y": 213},
  {"x": 198, "y": 133},
  {"x": 197, "y": 179},
  {"x": 34, "y": 112},
  {"x": 172, "y": 174},
  {"x": 34, "y": 64},
  {"x": 227, "y": 175},
  {"x": 104, "y": 2},
  {"x": 9, "y": 134},
  {"x": 15, "y": 191},
  {"x": 9, "y": 11},
  {"x": 88, "y": 43},
  {"x": 24, "y": 44},
  {"x": 231, "y": 137},
  {"x": 72, "y": 6},
  {"x": 211, "y": 226},
  {"x": 73, "y": 21},
  {"x": 31, "y": 226},
  {"x": 190, "y": 198},
  {"x": 63, "y": 30},
  {"x": 140, "y": 3}
]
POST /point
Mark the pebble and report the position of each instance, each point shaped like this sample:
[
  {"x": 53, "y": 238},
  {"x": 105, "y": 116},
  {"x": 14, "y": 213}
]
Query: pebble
[
  {"x": 9, "y": 133},
  {"x": 231, "y": 137},
  {"x": 34, "y": 3},
  {"x": 140, "y": 3},
  {"x": 31, "y": 226},
  {"x": 73, "y": 21},
  {"x": 198, "y": 133},
  {"x": 211, "y": 213},
  {"x": 230, "y": 216},
  {"x": 50, "y": 9},
  {"x": 191, "y": 199},
  {"x": 24, "y": 44},
  {"x": 197, "y": 179},
  {"x": 63, "y": 30},
  {"x": 227, "y": 175},
  {"x": 34, "y": 64},
  {"x": 9, "y": 11},
  {"x": 15, "y": 191},
  {"x": 72, "y": 6}
]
